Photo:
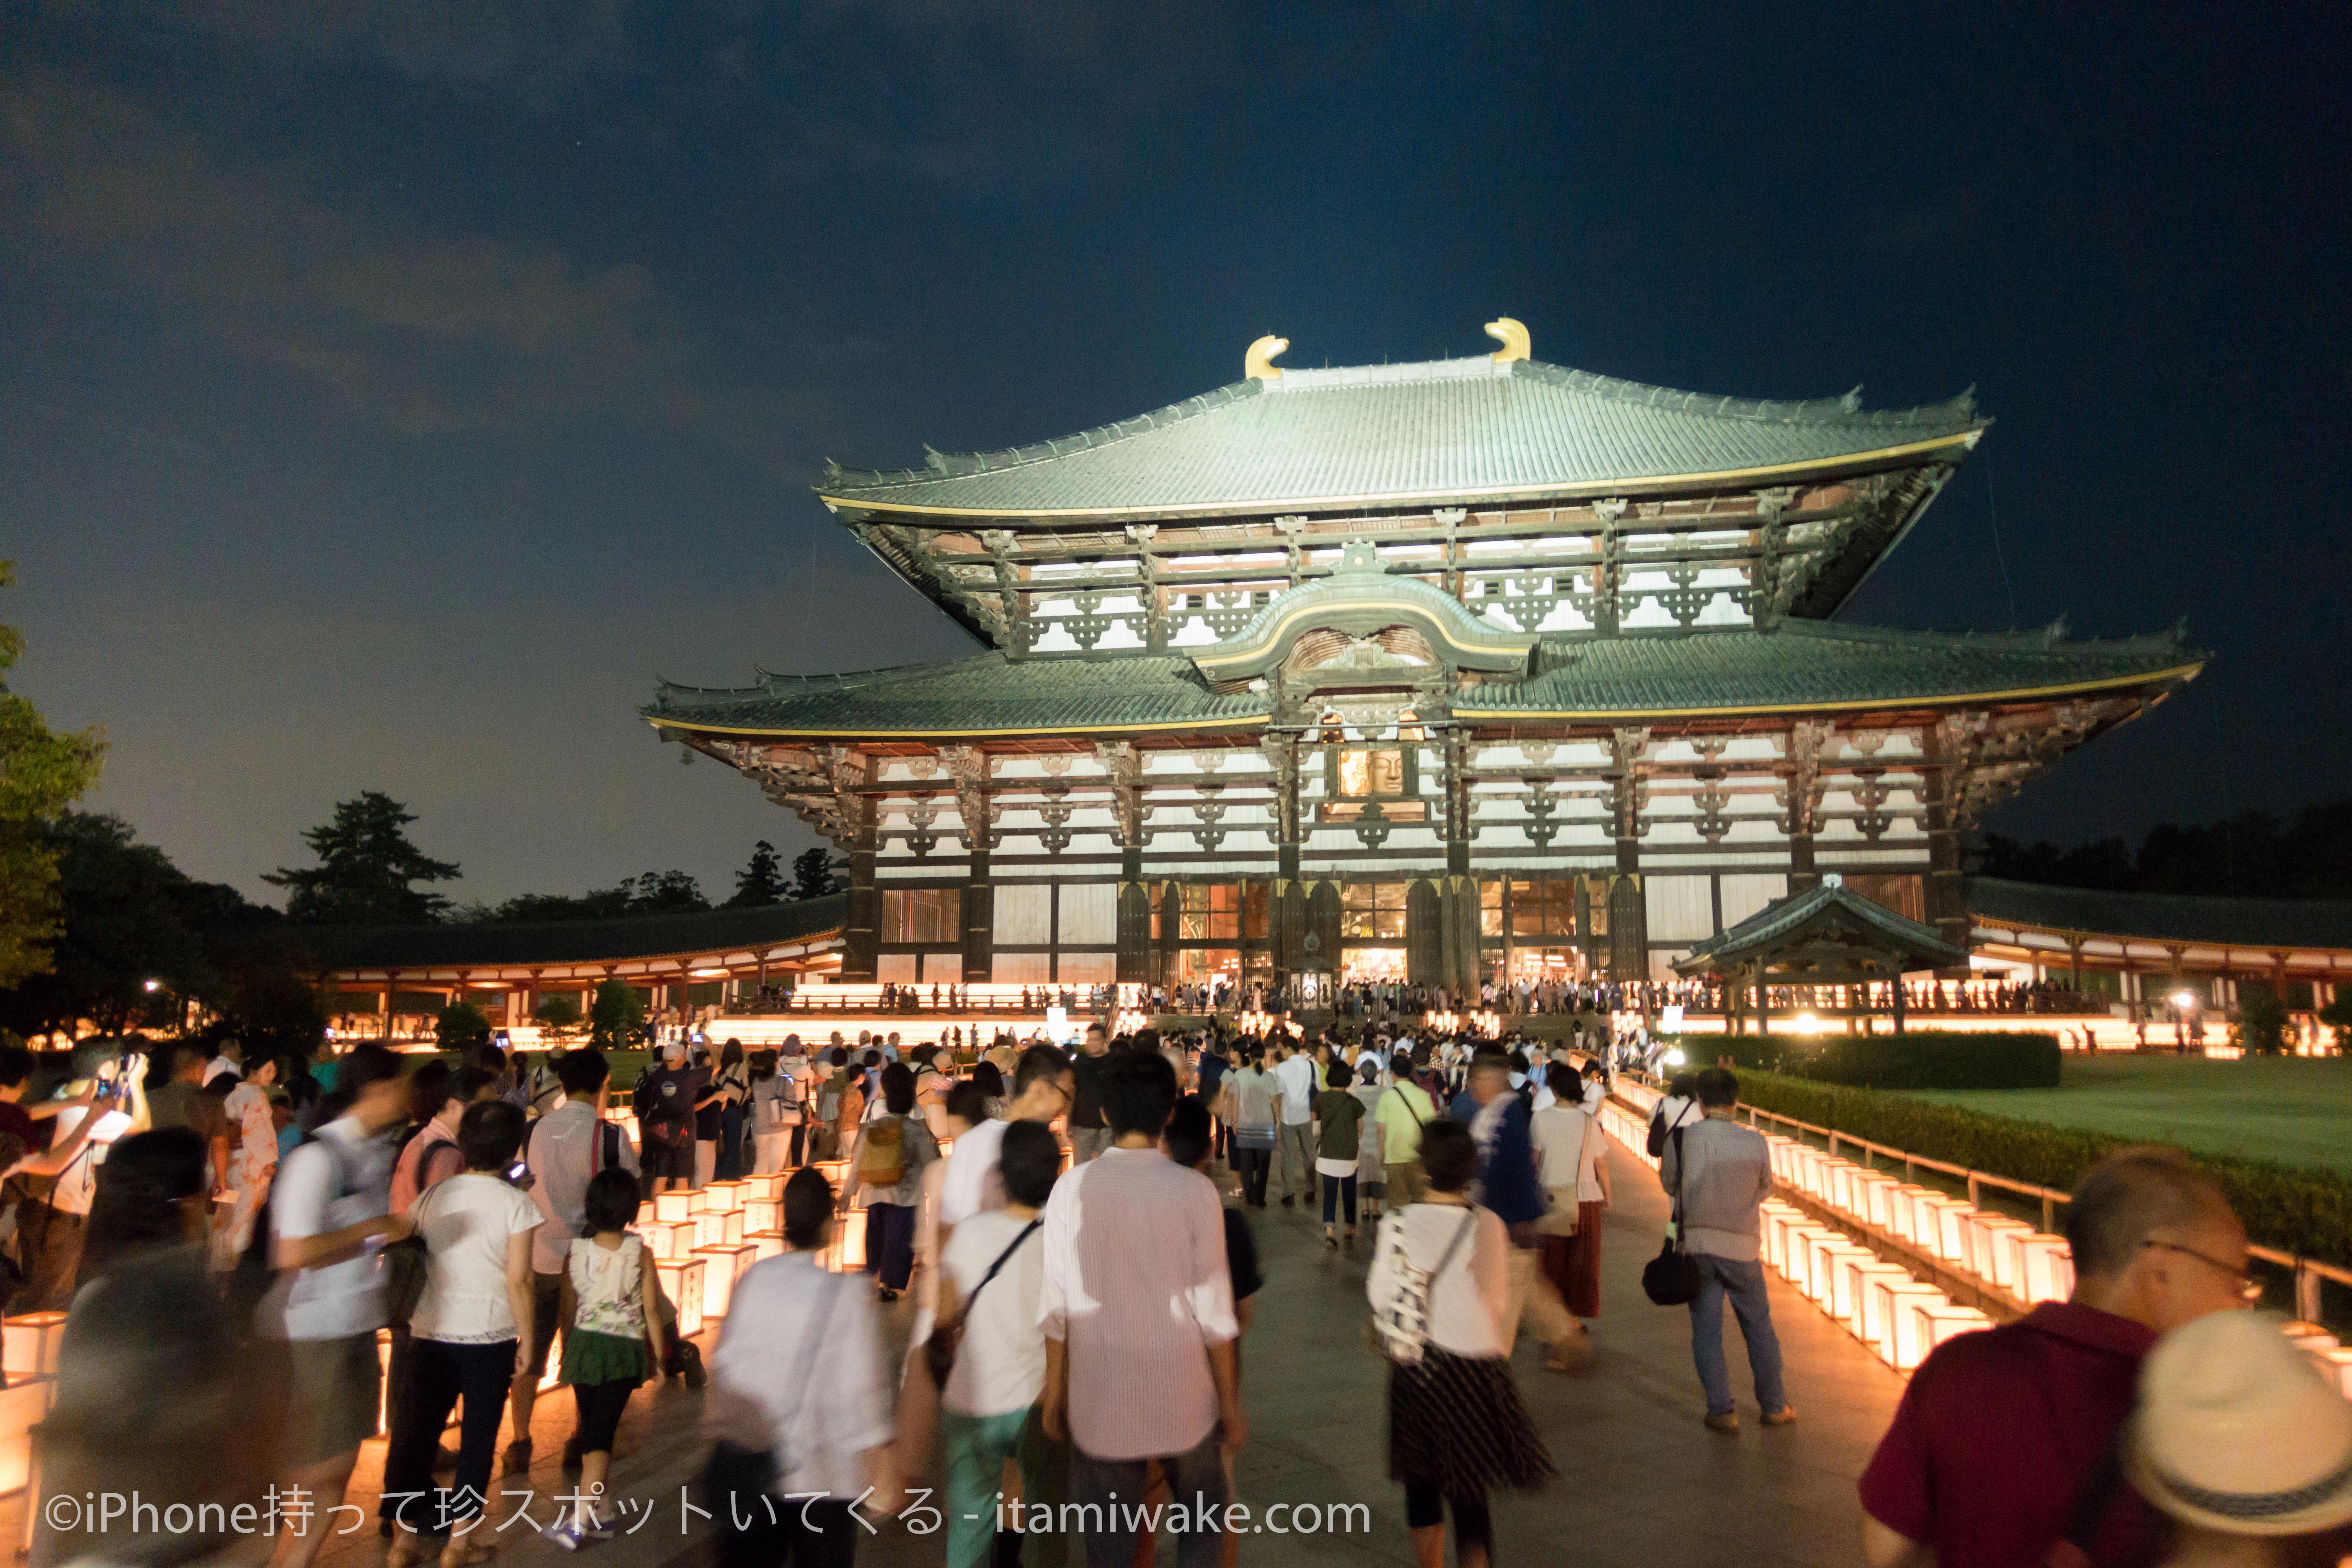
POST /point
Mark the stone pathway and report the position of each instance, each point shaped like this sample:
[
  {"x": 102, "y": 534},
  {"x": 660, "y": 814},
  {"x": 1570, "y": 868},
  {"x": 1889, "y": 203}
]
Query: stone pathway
[{"x": 1642, "y": 1481}]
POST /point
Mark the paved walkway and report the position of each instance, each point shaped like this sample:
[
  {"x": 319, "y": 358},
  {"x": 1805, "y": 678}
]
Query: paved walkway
[{"x": 1641, "y": 1480}]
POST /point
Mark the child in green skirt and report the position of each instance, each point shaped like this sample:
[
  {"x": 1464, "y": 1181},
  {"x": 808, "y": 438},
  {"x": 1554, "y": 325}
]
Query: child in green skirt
[{"x": 615, "y": 1343}]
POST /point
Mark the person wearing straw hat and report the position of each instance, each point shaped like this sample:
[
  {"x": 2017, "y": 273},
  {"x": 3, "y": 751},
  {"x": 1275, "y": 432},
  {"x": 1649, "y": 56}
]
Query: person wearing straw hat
[{"x": 2240, "y": 1438}]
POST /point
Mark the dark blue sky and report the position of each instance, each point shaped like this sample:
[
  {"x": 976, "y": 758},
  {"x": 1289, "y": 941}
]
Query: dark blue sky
[{"x": 392, "y": 388}]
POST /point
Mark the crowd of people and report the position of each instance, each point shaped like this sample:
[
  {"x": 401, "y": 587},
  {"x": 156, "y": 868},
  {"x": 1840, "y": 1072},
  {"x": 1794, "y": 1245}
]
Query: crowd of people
[{"x": 1075, "y": 1334}]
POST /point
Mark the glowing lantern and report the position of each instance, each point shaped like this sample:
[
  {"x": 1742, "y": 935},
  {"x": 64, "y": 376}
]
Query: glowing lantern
[
  {"x": 29, "y": 1345},
  {"x": 763, "y": 1214},
  {"x": 1898, "y": 1343},
  {"x": 1860, "y": 1279},
  {"x": 720, "y": 1198},
  {"x": 764, "y": 1244},
  {"x": 1797, "y": 1256},
  {"x": 2046, "y": 1269},
  {"x": 675, "y": 1204},
  {"x": 723, "y": 1266},
  {"x": 1934, "y": 1325},
  {"x": 1989, "y": 1246},
  {"x": 22, "y": 1407},
  {"x": 1827, "y": 1260},
  {"x": 681, "y": 1281}
]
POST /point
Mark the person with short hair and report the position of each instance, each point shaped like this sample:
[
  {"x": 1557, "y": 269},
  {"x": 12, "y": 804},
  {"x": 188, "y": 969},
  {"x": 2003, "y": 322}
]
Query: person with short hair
[
  {"x": 1405, "y": 1113},
  {"x": 2155, "y": 1247},
  {"x": 468, "y": 1338},
  {"x": 1089, "y": 1136},
  {"x": 181, "y": 1101},
  {"x": 330, "y": 1211},
  {"x": 991, "y": 1272},
  {"x": 1130, "y": 1238},
  {"x": 613, "y": 1341},
  {"x": 667, "y": 1102},
  {"x": 1339, "y": 1116},
  {"x": 1508, "y": 1186},
  {"x": 1250, "y": 1107},
  {"x": 432, "y": 1153},
  {"x": 797, "y": 1378},
  {"x": 563, "y": 1150},
  {"x": 1043, "y": 1087},
  {"x": 1719, "y": 1174},
  {"x": 1294, "y": 1085},
  {"x": 1458, "y": 1427}
]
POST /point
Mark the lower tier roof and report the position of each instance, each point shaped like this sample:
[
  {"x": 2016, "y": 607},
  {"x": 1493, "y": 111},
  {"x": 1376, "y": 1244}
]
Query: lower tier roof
[{"x": 1800, "y": 667}]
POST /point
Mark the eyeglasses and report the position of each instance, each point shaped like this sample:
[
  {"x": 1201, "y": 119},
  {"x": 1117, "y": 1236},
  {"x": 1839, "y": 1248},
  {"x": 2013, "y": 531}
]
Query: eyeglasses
[{"x": 2250, "y": 1289}]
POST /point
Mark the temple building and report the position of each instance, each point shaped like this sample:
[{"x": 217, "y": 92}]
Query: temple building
[{"x": 1475, "y": 667}]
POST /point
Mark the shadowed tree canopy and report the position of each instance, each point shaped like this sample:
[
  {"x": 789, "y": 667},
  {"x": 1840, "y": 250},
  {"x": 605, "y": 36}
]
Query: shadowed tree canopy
[
  {"x": 813, "y": 875},
  {"x": 366, "y": 869},
  {"x": 41, "y": 773},
  {"x": 2252, "y": 855},
  {"x": 762, "y": 881}
]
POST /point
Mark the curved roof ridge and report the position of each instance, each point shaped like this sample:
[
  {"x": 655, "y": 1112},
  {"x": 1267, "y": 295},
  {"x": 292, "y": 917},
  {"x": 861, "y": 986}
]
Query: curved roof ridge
[{"x": 1843, "y": 411}]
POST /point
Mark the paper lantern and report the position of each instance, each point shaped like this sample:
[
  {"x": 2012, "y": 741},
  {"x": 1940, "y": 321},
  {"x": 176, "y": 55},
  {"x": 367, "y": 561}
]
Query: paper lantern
[
  {"x": 657, "y": 1239},
  {"x": 723, "y": 1266},
  {"x": 767, "y": 1189},
  {"x": 1826, "y": 1256},
  {"x": 2046, "y": 1268},
  {"x": 1934, "y": 1325},
  {"x": 1873, "y": 1207},
  {"x": 1858, "y": 1282},
  {"x": 1797, "y": 1252},
  {"x": 22, "y": 1407},
  {"x": 681, "y": 1281},
  {"x": 29, "y": 1345},
  {"x": 2336, "y": 1363},
  {"x": 849, "y": 1245},
  {"x": 722, "y": 1196},
  {"x": 673, "y": 1205},
  {"x": 1989, "y": 1255},
  {"x": 1898, "y": 1343},
  {"x": 730, "y": 1227},
  {"x": 763, "y": 1214},
  {"x": 710, "y": 1228},
  {"x": 764, "y": 1244},
  {"x": 647, "y": 1211}
]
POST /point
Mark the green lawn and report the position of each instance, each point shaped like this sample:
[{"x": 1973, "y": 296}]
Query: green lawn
[{"x": 2295, "y": 1110}]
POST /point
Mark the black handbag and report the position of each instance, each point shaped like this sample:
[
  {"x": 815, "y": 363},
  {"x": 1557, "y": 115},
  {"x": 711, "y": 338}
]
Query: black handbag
[{"x": 1670, "y": 1279}]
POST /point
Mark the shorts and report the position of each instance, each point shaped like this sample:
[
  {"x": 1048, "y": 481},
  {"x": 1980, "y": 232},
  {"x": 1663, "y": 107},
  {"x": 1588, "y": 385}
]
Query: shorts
[
  {"x": 336, "y": 1386},
  {"x": 550, "y": 1308},
  {"x": 664, "y": 1158}
]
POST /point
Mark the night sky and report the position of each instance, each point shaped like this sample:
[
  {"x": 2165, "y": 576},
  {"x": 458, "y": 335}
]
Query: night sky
[{"x": 393, "y": 390}]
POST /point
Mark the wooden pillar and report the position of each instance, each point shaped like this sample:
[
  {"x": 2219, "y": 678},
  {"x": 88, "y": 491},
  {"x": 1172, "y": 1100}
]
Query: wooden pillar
[
  {"x": 1134, "y": 963},
  {"x": 978, "y": 911},
  {"x": 862, "y": 937},
  {"x": 2074, "y": 960},
  {"x": 1946, "y": 894}
]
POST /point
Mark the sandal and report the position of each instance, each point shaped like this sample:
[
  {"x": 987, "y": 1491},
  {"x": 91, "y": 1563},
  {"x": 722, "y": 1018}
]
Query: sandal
[
  {"x": 404, "y": 1552},
  {"x": 465, "y": 1552}
]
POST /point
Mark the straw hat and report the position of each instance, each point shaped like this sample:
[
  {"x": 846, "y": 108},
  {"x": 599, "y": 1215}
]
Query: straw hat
[{"x": 2238, "y": 1432}]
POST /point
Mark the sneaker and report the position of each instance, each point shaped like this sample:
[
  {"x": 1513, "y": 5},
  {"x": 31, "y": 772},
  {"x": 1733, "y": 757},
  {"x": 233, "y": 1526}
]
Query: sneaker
[
  {"x": 516, "y": 1458},
  {"x": 1723, "y": 1421},
  {"x": 1780, "y": 1417},
  {"x": 568, "y": 1535},
  {"x": 599, "y": 1528}
]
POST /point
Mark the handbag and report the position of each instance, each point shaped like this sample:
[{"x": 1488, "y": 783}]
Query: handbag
[
  {"x": 947, "y": 1334},
  {"x": 1670, "y": 1279},
  {"x": 404, "y": 1264}
]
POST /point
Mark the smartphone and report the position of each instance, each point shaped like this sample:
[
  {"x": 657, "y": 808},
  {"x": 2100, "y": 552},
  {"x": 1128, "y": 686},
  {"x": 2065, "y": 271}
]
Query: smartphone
[{"x": 518, "y": 1170}]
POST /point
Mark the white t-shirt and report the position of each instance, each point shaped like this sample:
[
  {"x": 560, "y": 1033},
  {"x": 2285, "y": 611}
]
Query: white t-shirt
[
  {"x": 1296, "y": 1079},
  {"x": 466, "y": 1221},
  {"x": 78, "y": 1181},
  {"x": 1000, "y": 1367},
  {"x": 1571, "y": 1146},
  {"x": 1468, "y": 1301},
  {"x": 338, "y": 1179},
  {"x": 974, "y": 1182}
]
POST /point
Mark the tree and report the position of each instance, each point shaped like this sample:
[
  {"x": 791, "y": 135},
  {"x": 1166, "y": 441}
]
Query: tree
[
  {"x": 762, "y": 881},
  {"x": 558, "y": 1012},
  {"x": 2337, "y": 1016},
  {"x": 41, "y": 773},
  {"x": 130, "y": 920},
  {"x": 663, "y": 893},
  {"x": 365, "y": 865},
  {"x": 615, "y": 1016},
  {"x": 2260, "y": 1028},
  {"x": 813, "y": 875},
  {"x": 460, "y": 1027}
]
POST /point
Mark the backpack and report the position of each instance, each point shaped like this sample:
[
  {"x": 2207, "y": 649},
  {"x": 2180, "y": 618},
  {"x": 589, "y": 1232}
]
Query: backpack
[
  {"x": 1657, "y": 1141},
  {"x": 882, "y": 1163},
  {"x": 1399, "y": 1326}
]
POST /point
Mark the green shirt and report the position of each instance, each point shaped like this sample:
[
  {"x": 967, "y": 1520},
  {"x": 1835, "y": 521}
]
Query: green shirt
[{"x": 1341, "y": 1114}]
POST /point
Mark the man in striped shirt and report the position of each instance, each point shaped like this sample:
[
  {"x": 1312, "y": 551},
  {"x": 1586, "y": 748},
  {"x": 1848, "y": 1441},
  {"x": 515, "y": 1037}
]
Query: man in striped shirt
[{"x": 1137, "y": 1309}]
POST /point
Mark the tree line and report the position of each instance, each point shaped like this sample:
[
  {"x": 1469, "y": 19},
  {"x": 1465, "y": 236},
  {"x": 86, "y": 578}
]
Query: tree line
[{"x": 2251, "y": 855}]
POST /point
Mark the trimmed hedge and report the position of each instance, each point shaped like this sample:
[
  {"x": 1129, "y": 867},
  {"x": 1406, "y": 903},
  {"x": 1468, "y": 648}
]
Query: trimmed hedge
[
  {"x": 2305, "y": 1213},
  {"x": 1930, "y": 1059}
]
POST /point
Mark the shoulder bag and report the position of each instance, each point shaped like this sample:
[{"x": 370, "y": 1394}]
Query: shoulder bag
[
  {"x": 1670, "y": 1279},
  {"x": 1399, "y": 1326},
  {"x": 947, "y": 1333},
  {"x": 406, "y": 1261}
]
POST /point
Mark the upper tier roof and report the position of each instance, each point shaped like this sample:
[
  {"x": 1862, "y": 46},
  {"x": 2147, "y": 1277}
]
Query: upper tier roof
[{"x": 1429, "y": 433}]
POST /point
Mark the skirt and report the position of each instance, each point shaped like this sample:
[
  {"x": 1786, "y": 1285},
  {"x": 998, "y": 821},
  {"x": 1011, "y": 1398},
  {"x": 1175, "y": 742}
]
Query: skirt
[
  {"x": 1457, "y": 1422},
  {"x": 1572, "y": 1263}
]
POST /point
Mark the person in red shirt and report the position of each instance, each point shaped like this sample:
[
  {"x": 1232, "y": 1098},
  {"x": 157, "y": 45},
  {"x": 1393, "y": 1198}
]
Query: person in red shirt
[{"x": 2005, "y": 1444}]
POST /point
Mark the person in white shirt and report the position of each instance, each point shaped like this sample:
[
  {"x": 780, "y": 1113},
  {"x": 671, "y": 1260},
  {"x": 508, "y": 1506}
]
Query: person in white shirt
[
  {"x": 467, "y": 1340},
  {"x": 1137, "y": 1307},
  {"x": 330, "y": 1209},
  {"x": 1574, "y": 1155},
  {"x": 1293, "y": 1079},
  {"x": 799, "y": 1407},
  {"x": 1458, "y": 1427},
  {"x": 992, "y": 1273}
]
